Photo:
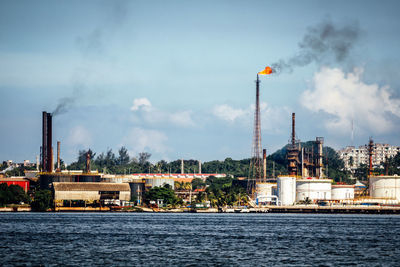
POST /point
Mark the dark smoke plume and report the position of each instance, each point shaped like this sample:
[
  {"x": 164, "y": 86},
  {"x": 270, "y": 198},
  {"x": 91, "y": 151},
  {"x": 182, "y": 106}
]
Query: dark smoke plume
[
  {"x": 324, "y": 42},
  {"x": 63, "y": 105},
  {"x": 93, "y": 45}
]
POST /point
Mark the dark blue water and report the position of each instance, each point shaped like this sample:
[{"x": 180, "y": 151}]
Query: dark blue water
[{"x": 129, "y": 239}]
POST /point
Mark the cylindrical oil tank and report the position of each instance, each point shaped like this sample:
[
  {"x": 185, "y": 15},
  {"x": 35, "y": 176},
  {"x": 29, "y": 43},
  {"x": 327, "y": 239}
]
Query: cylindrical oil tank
[
  {"x": 384, "y": 187},
  {"x": 264, "y": 189},
  {"x": 286, "y": 190},
  {"x": 160, "y": 181},
  {"x": 342, "y": 192},
  {"x": 313, "y": 189}
]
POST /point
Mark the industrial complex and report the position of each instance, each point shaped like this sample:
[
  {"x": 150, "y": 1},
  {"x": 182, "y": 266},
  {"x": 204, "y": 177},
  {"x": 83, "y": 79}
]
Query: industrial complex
[{"x": 305, "y": 184}]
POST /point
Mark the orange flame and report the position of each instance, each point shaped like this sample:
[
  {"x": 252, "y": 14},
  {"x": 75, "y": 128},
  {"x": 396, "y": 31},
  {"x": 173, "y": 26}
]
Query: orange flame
[{"x": 267, "y": 70}]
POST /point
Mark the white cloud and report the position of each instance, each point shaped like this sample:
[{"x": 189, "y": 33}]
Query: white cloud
[
  {"x": 79, "y": 136},
  {"x": 271, "y": 117},
  {"x": 183, "y": 118},
  {"x": 141, "y": 103},
  {"x": 228, "y": 113},
  {"x": 153, "y": 115},
  {"x": 139, "y": 139},
  {"x": 346, "y": 97}
]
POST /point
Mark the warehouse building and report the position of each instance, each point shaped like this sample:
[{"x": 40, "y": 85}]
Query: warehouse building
[{"x": 86, "y": 193}]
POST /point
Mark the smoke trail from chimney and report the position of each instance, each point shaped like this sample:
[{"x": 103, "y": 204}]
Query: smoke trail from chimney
[
  {"x": 322, "y": 43},
  {"x": 63, "y": 105},
  {"x": 92, "y": 45}
]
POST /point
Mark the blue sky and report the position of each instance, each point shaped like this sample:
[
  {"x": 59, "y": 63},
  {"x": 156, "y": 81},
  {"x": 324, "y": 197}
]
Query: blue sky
[{"x": 176, "y": 78}]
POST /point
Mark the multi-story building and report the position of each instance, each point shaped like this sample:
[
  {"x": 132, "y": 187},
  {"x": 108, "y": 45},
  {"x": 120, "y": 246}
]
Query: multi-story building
[{"x": 353, "y": 157}]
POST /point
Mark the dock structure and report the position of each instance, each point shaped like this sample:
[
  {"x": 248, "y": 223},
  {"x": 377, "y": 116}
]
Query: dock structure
[{"x": 356, "y": 209}]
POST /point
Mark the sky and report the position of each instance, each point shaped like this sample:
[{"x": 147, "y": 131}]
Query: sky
[{"x": 176, "y": 78}]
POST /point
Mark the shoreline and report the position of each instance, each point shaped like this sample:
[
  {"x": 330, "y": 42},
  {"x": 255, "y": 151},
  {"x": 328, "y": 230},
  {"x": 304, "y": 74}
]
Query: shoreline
[{"x": 270, "y": 209}]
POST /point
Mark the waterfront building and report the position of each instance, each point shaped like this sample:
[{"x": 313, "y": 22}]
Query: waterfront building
[{"x": 353, "y": 157}]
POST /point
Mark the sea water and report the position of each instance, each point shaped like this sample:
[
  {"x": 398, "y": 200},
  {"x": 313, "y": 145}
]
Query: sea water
[{"x": 189, "y": 239}]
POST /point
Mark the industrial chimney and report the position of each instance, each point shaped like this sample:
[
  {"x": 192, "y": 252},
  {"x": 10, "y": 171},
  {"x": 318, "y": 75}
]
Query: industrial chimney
[
  {"x": 293, "y": 151},
  {"x": 370, "y": 152},
  {"x": 199, "y": 166},
  {"x": 265, "y": 163},
  {"x": 319, "y": 142},
  {"x": 47, "y": 153},
  {"x": 182, "y": 167},
  {"x": 58, "y": 157},
  {"x": 87, "y": 162}
]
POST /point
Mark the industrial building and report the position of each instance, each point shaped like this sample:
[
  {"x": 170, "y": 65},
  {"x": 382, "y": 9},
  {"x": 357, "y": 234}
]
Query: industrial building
[
  {"x": 20, "y": 181},
  {"x": 353, "y": 157},
  {"x": 83, "y": 194}
]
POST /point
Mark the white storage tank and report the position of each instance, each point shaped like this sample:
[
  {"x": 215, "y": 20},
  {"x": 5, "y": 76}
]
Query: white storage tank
[
  {"x": 342, "y": 192},
  {"x": 264, "y": 192},
  {"x": 384, "y": 187},
  {"x": 286, "y": 190},
  {"x": 313, "y": 189},
  {"x": 153, "y": 181}
]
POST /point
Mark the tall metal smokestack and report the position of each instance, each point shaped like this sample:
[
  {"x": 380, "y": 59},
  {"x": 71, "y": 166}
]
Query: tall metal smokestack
[
  {"x": 370, "y": 152},
  {"x": 318, "y": 170},
  {"x": 44, "y": 142},
  {"x": 49, "y": 143},
  {"x": 199, "y": 166},
  {"x": 87, "y": 162},
  {"x": 293, "y": 129},
  {"x": 58, "y": 157},
  {"x": 182, "y": 167},
  {"x": 255, "y": 172},
  {"x": 293, "y": 151},
  {"x": 47, "y": 152},
  {"x": 265, "y": 164}
]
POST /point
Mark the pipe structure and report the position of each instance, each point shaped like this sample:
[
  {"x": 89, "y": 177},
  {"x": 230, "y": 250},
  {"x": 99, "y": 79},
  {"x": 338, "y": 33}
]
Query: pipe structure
[
  {"x": 47, "y": 151},
  {"x": 265, "y": 164},
  {"x": 255, "y": 171},
  {"x": 49, "y": 143},
  {"x": 319, "y": 164},
  {"x": 370, "y": 152},
  {"x": 43, "y": 153},
  {"x": 293, "y": 151},
  {"x": 58, "y": 157},
  {"x": 87, "y": 162},
  {"x": 293, "y": 129},
  {"x": 199, "y": 166}
]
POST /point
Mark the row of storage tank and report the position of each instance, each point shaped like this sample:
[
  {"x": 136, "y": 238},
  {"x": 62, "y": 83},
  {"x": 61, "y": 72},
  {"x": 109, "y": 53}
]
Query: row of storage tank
[{"x": 290, "y": 190}]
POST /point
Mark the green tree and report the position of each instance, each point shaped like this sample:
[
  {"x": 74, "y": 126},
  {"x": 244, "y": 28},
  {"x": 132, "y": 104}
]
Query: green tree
[
  {"x": 166, "y": 193},
  {"x": 361, "y": 173},
  {"x": 144, "y": 158},
  {"x": 123, "y": 156},
  {"x": 13, "y": 194},
  {"x": 198, "y": 183},
  {"x": 42, "y": 200}
]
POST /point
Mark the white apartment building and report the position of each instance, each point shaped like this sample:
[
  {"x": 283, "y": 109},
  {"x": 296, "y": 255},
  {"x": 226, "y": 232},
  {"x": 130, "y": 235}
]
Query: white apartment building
[{"x": 360, "y": 155}]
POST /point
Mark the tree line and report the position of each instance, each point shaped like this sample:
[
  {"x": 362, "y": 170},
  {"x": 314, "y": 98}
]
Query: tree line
[{"x": 122, "y": 163}]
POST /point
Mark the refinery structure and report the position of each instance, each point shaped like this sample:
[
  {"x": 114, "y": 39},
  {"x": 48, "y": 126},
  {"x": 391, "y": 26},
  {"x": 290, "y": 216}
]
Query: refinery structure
[{"x": 306, "y": 183}]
